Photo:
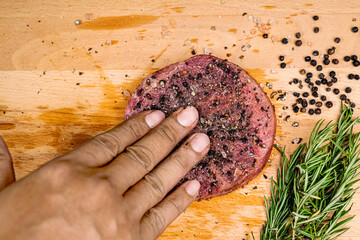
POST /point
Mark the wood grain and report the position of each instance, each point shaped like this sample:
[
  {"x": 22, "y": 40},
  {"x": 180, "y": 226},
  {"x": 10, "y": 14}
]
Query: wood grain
[{"x": 62, "y": 83}]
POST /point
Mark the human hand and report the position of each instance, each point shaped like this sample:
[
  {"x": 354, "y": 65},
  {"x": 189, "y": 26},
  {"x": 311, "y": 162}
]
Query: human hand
[{"x": 114, "y": 186}]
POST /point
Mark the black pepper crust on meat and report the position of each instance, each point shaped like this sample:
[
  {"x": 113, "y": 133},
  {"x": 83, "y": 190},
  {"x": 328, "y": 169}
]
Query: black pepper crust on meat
[{"x": 233, "y": 111}]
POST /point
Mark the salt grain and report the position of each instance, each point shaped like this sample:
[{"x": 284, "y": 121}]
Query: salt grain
[
  {"x": 272, "y": 22},
  {"x": 77, "y": 22},
  {"x": 207, "y": 50},
  {"x": 245, "y": 47},
  {"x": 274, "y": 39},
  {"x": 126, "y": 93},
  {"x": 257, "y": 20}
]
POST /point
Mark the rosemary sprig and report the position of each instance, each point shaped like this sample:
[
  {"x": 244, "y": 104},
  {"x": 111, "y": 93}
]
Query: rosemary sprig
[{"x": 314, "y": 187}]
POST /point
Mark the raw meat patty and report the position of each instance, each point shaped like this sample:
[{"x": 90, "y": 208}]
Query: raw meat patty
[{"x": 234, "y": 112}]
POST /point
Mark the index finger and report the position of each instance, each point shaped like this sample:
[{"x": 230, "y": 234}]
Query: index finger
[
  {"x": 104, "y": 147},
  {"x": 141, "y": 157}
]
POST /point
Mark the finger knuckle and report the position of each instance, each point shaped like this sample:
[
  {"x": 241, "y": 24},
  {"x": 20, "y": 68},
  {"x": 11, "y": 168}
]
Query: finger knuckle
[
  {"x": 141, "y": 154},
  {"x": 168, "y": 134},
  {"x": 58, "y": 173},
  {"x": 181, "y": 161},
  {"x": 134, "y": 128},
  {"x": 103, "y": 186},
  {"x": 157, "y": 185},
  {"x": 176, "y": 206},
  {"x": 109, "y": 141}
]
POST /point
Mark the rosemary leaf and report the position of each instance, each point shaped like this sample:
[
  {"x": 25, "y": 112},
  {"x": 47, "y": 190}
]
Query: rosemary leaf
[{"x": 314, "y": 187}]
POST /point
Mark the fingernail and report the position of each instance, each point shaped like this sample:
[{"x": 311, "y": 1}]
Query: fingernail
[
  {"x": 187, "y": 116},
  {"x": 192, "y": 188},
  {"x": 154, "y": 118},
  {"x": 200, "y": 142}
]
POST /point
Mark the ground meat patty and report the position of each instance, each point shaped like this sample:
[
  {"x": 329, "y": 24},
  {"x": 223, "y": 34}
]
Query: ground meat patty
[{"x": 234, "y": 112}]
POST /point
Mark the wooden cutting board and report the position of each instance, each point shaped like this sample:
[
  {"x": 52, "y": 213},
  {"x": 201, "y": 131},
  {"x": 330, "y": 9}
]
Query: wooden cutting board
[{"x": 62, "y": 83}]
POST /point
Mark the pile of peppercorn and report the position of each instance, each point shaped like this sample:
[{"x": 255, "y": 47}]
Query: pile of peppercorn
[{"x": 310, "y": 101}]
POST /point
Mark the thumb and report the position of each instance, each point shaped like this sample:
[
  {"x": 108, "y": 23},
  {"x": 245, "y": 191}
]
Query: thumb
[{"x": 7, "y": 175}]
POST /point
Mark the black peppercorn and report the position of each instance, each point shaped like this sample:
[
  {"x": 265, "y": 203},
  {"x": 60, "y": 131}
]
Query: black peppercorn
[
  {"x": 283, "y": 65},
  {"x": 309, "y": 75},
  {"x": 313, "y": 62},
  {"x": 329, "y": 104},
  {"x": 304, "y": 103},
  {"x": 296, "y": 94},
  {"x": 298, "y": 43},
  {"x": 307, "y": 59},
  {"x": 326, "y": 61},
  {"x": 318, "y": 111},
  {"x": 351, "y": 76},
  {"x": 319, "y": 67},
  {"x": 356, "y": 77},
  {"x": 335, "y": 61},
  {"x": 316, "y": 29},
  {"x": 331, "y": 51},
  {"x": 326, "y": 56},
  {"x": 334, "y": 80},
  {"x": 296, "y": 109},
  {"x": 265, "y": 35},
  {"x": 315, "y": 53},
  {"x": 318, "y": 82},
  {"x": 305, "y": 94},
  {"x": 316, "y": 17},
  {"x": 348, "y": 90},
  {"x": 307, "y": 80},
  {"x": 281, "y": 58},
  {"x": 346, "y": 58},
  {"x": 354, "y": 29},
  {"x": 314, "y": 89},
  {"x": 324, "y": 81},
  {"x": 311, "y": 85},
  {"x": 352, "y": 105},
  {"x": 295, "y": 80},
  {"x": 298, "y": 35},
  {"x": 319, "y": 104},
  {"x": 312, "y": 102},
  {"x": 353, "y": 57},
  {"x": 336, "y": 91},
  {"x": 343, "y": 97},
  {"x": 328, "y": 89},
  {"x": 337, "y": 40},
  {"x": 356, "y": 63},
  {"x": 311, "y": 111},
  {"x": 321, "y": 76},
  {"x": 315, "y": 94},
  {"x": 332, "y": 73},
  {"x": 284, "y": 41}
]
